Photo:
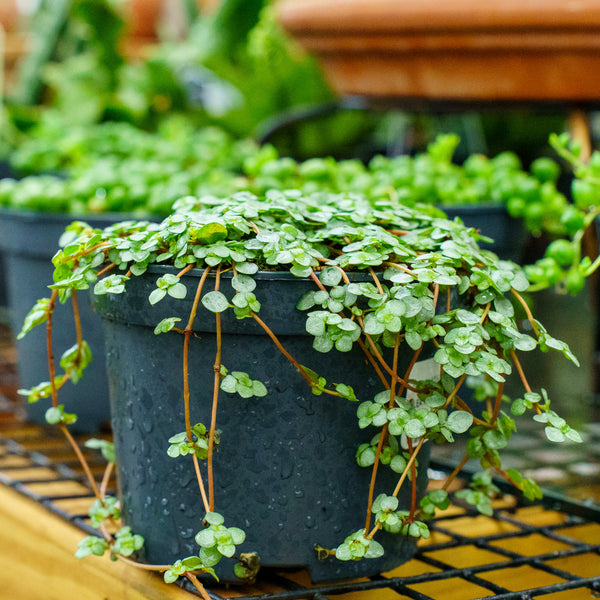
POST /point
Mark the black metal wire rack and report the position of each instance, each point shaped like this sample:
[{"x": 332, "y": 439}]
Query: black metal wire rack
[{"x": 523, "y": 551}]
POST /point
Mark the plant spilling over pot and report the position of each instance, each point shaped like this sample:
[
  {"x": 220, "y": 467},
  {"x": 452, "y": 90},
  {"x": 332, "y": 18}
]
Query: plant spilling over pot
[{"x": 424, "y": 285}]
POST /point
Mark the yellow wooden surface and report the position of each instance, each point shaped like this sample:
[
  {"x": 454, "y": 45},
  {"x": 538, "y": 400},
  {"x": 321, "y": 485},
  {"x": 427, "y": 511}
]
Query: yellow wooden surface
[{"x": 37, "y": 557}]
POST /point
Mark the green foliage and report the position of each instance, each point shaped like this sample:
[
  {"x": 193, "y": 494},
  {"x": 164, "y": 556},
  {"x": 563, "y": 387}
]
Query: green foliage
[
  {"x": 126, "y": 542},
  {"x": 387, "y": 275},
  {"x": 106, "y": 448},
  {"x": 41, "y": 390},
  {"x": 180, "y": 445},
  {"x": 217, "y": 541},
  {"x": 191, "y": 564},
  {"x": 57, "y": 414},
  {"x": 565, "y": 264},
  {"x": 107, "y": 508},
  {"x": 240, "y": 383},
  {"x": 91, "y": 545},
  {"x": 358, "y": 546},
  {"x": 36, "y": 316},
  {"x": 168, "y": 284}
]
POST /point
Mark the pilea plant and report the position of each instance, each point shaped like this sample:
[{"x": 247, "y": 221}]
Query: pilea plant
[{"x": 426, "y": 285}]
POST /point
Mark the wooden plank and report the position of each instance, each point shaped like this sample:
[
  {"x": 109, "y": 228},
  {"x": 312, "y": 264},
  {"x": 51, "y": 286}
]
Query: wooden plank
[{"x": 37, "y": 557}]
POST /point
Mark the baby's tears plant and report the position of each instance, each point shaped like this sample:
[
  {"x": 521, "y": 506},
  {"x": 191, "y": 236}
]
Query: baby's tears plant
[{"x": 428, "y": 286}]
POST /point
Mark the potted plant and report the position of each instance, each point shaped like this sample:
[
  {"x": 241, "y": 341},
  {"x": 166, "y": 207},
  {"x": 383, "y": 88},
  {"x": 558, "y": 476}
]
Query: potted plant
[
  {"x": 274, "y": 336},
  {"x": 109, "y": 172}
]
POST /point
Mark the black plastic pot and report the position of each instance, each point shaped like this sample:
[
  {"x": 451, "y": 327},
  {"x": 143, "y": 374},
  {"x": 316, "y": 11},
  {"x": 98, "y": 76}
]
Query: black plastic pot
[
  {"x": 285, "y": 470},
  {"x": 510, "y": 235},
  {"x": 28, "y": 240},
  {"x": 5, "y": 172}
]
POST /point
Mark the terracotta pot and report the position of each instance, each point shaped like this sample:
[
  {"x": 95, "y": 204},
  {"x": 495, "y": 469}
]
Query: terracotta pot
[
  {"x": 142, "y": 17},
  {"x": 499, "y": 50},
  {"x": 9, "y": 14}
]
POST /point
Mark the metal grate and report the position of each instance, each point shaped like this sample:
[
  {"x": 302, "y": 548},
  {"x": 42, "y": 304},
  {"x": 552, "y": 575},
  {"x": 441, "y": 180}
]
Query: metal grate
[{"x": 524, "y": 551}]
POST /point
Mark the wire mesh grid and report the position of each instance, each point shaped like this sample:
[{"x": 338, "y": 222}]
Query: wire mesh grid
[{"x": 523, "y": 551}]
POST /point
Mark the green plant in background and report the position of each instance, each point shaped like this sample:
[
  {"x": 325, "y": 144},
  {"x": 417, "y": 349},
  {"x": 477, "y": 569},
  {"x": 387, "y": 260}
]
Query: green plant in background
[
  {"x": 117, "y": 167},
  {"x": 236, "y": 69},
  {"x": 566, "y": 264},
  {"x": 430, "y": 286}
]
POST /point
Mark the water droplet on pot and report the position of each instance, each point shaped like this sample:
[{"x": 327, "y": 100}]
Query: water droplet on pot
[
  {"x": 309, "y": 523},
  {"x": 299, "y": 494},
  {"x": 305, "y": 403},
  {"x": 186, "y": 477},
  {"x": 148, "y": 425},
  {"x": 287, "y": 467},
  {"x": 282, "y": 500},
  {"x": 148, "y": 501},
  {"x": 186, "y": 534},
  {"x": 129, "y": 423},
  {"x": 164, "y": 501}
]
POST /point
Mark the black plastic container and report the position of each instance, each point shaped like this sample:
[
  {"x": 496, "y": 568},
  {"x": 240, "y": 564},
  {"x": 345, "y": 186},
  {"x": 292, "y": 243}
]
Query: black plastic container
[
  {"x": 285, "y": 470},
  {"x": 509, "y": 235},
  {"x": 28, "y": 241}
]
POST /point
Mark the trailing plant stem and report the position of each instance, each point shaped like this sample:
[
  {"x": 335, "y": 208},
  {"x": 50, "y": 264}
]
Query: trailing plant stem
[
  {"x": 106, "y": 478},
  {"x": 51, "y": 367},
  {"x": 194, "y": 580},
  {"x": 186, "y": 381},
  {"x": 82, "y": 460},
  {"x": 76, "y": 317},
  {"x": 408, "y": 467},
  {"x": 456, "y": 471},
  {"x": 527, "y": 311},
  {"x": 280, "y": 347},
  {"x": 213, "y": 416}
]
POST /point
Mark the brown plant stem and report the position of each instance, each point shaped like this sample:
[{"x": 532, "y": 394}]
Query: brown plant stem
[
  {"x": 280, "y": 347},
  {"x": 196, "y": 583},
  {"x": 382, "y": 361},
  {"x": 106, "y": 269},
  {"x": 106, "y": 478},
  {"x": 82, "y": 460},
  {"x": 486, "y": 311},
  {"x": 527, "y": 311},
  {"x": 382, "y": 439},
  {"x": 401, "y": 268},
  {"x": 361, "y": 344},
  {"x": 455, "y": 390},
  {"x": 89, "y": 250},
  {"x": 205, "y": 501},
  {"x": 76, "y": 317},
  {"x": 186, "y": 380},
  {"x": 186, "y": 270},
  {"x": 374, "y": 364},
  {"x": 522, "y": 376},
  {"x": 497, "y": 403},
  {"x": 456, "y": 471},
  {"x": 436, "y": 295},
  {"x": 215, "y": 401},
  {"x": 409, "y": 465},
  {"x": 376, "y": 280},
  {"x": 143, "y": 566},
  {"x": 51, "y": 367},
  {"x": 413, "y": 489}
]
